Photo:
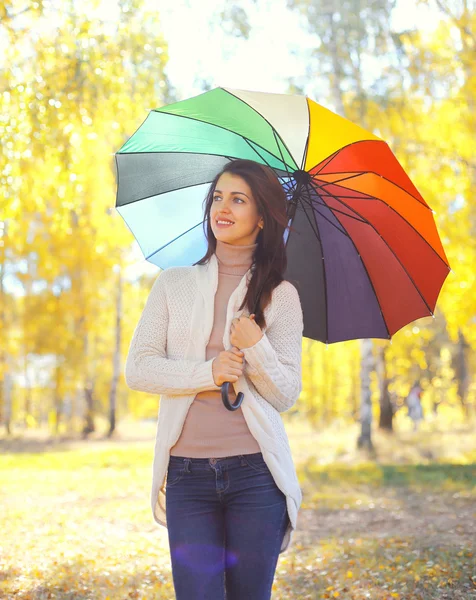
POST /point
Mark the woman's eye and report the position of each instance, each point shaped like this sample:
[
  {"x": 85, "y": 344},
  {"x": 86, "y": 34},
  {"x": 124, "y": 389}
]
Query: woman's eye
[{"x": 236, "y": 198}]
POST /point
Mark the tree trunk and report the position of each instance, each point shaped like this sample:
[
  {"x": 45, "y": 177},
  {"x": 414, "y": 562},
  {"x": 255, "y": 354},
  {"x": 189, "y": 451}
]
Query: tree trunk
[
  {"x": 336, "y": 75},
  {"x": 28, "y": 285},
  {"x": 28, "y": 403},
  {"x": 365, "y": 438},
  {"x": 57, "y": 395},
  {"x": 3, "y": 330},
  {"x": 117, "y": 358},
  {"x": 460, "y": 365},
  {"x": 356, "y": 389},
  {"x": 325, "y": 388},
  {"x": 313, "y": 404},
  {"x": 88, "y": 426},
  {"x": 7, "y": 397},
  {"x": 386, "y": 409}
]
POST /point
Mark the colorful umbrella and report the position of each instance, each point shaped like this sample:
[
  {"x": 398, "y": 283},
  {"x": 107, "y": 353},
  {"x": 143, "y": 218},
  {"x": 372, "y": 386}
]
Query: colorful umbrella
[{"x": 373, "y": 259}]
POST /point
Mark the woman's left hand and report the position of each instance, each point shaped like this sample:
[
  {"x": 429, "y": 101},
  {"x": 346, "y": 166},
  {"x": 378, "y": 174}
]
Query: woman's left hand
[{"x": 245, "y": 332}]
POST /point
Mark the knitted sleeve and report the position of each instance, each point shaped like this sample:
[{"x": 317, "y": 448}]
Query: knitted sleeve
[
  {"x": 273, "y": 364},
  {"x": 147, "y": 368}
]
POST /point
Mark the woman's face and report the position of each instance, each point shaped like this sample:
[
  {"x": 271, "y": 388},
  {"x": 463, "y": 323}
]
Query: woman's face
[{"x": 233, "y": 201}]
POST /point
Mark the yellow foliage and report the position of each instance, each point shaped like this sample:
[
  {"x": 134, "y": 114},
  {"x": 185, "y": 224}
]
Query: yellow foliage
[{"x": 75, "y": 94}]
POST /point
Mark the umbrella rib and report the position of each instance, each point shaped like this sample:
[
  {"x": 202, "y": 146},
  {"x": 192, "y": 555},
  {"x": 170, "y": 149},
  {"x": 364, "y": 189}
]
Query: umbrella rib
[
  {"x": 309, "y": 201},
  {"x": 263, "y": 159},
  {"x": 335, "y": 153},
  {"x": 335, "y": 210},
  {"x": 325, "y": 162},
  {"x": 349, "y": 195},
  {"x": 166, "y": 192},
  {"x": 282, "y": 157},
  {"x": 174, "y": 189},
  {"x": 256, "y": 152},
  {"x": 393, "y": 252},
  {"x": 118, "y": 208},
  {"x": 315, "y": 230},
  {"x": 323, "y": 265},
  {"x": 266, "y": 120},
  {"x": 328, "y": 160},
  {"x": 218, "y": 127},
  {"x": 172, "y": 241},
  {"x": 316, "y": 233},
  {"x": 356, "y": 174},
  {"x": 368, "y": 276},
  {"x": 306, "y": 147},
  {"x": 370, "y": 197}
]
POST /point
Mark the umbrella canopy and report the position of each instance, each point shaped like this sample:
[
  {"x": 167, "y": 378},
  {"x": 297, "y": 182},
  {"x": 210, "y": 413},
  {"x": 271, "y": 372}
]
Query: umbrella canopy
[{"x": 365, "y": 254}]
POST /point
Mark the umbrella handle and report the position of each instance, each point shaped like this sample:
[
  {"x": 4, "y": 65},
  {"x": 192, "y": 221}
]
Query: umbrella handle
[{"x": 224, "y": 396}]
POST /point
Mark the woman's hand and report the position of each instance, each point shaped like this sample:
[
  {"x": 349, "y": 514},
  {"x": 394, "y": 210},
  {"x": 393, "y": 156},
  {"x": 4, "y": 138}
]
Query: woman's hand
[
  {"x": 245, "y": 332},
  {"x": 227, "y": 366}
]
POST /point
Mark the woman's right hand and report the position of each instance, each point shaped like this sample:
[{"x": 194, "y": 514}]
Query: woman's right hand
[{"x": 228, "y": 366}]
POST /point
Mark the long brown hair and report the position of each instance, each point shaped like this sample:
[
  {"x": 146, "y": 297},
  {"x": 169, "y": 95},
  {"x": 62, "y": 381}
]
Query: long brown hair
[{"x": 269, "y": 258}]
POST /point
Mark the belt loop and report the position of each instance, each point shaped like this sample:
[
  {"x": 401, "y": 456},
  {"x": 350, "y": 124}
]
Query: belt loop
[
  {"x": 243, "y": 460},
  {"x": 187, "y": 465}
]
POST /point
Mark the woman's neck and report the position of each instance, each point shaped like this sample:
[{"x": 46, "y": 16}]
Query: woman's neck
[{"x": 234, "y": 259}]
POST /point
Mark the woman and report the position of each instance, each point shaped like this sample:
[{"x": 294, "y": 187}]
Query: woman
[{"x": 231, "y": 496}]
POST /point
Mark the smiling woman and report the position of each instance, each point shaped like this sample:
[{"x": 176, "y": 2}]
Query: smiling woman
[
  {"x": 224, "y": 481},
  {"x": 245, "y": 216},
  {"x": 251, "y": 197},
  {"x": 234, "y": 213}
]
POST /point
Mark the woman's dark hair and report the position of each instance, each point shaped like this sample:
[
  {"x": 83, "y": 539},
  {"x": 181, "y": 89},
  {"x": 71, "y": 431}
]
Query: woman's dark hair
[{"x": 269, "y": 258}]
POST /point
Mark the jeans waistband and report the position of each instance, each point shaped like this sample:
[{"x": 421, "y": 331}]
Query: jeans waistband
[{"x": 223, "y": 460}]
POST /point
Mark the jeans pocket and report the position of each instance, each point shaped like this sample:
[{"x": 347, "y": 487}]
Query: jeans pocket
[
  {"x": 174, "y": 475},
  {"x": 256, "y": 462}
]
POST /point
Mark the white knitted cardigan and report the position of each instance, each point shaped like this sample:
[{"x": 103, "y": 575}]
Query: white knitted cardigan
[{"x": 167, "y": 357}]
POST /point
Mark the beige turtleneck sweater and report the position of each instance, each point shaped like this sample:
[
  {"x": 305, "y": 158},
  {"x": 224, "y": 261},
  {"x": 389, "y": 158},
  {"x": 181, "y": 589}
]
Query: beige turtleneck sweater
[{"x": 210, "y": 430}]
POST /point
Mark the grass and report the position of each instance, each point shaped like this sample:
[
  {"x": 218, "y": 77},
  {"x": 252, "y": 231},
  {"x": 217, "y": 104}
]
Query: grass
[{"x": 76, "y": 522}]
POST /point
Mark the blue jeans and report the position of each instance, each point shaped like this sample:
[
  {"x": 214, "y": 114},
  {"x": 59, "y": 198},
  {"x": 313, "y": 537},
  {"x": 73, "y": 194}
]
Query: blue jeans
[{"x": 226, "y": 520}]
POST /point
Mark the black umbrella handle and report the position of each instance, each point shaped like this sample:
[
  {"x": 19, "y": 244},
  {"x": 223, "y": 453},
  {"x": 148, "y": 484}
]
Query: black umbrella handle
[
  {"x": 226, "y": 401},
  {"x": 226, "y": 385}
]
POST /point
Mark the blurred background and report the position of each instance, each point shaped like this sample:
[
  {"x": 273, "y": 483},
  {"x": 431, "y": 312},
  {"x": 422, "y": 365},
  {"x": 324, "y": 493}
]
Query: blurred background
[
  {"x": 383, "y": 435},
  {"x": 78, "y": 78}
]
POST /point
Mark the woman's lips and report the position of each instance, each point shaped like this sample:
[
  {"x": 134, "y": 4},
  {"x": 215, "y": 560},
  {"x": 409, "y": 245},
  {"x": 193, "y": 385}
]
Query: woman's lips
[{"x": 223, "y": 225}]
